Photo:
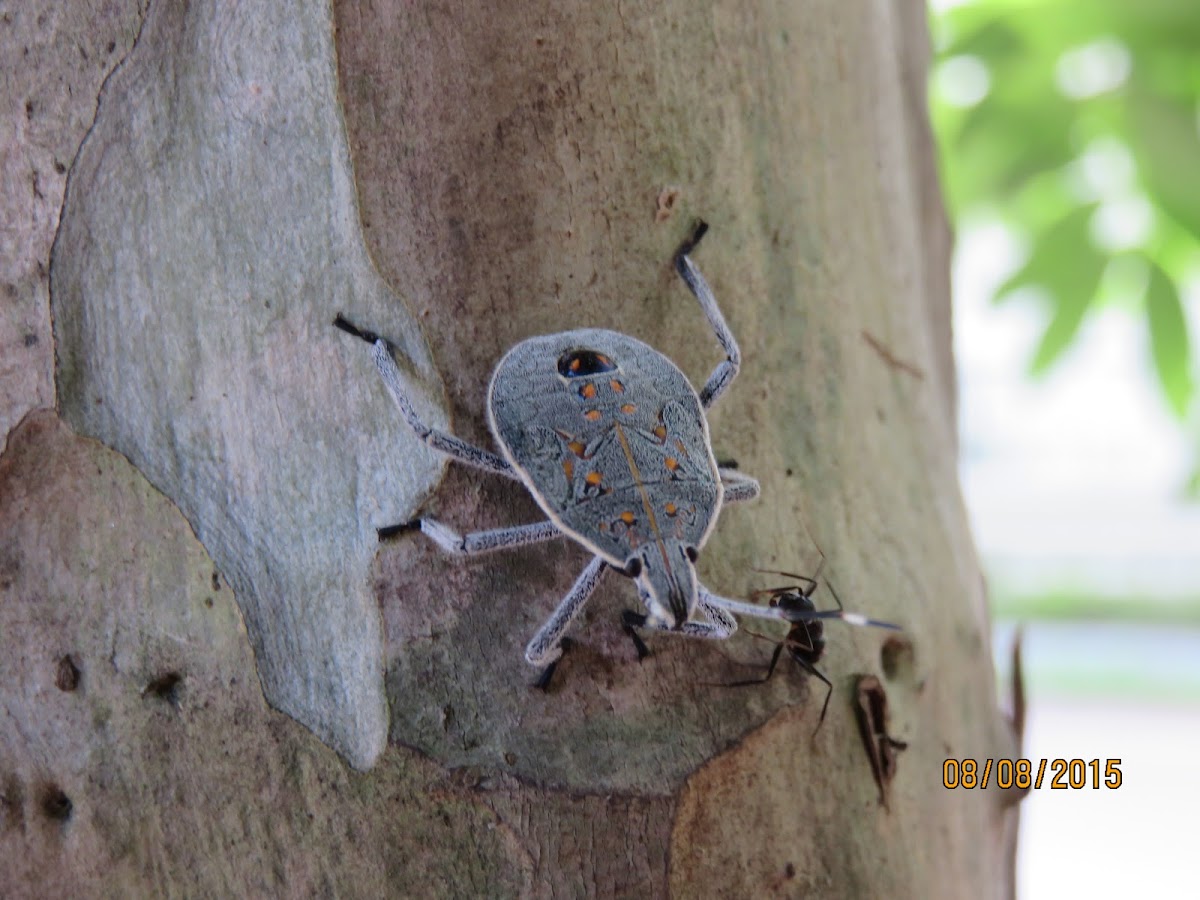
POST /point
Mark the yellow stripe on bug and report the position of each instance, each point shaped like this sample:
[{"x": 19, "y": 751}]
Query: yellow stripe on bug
[{"x": 637, "y": 479}]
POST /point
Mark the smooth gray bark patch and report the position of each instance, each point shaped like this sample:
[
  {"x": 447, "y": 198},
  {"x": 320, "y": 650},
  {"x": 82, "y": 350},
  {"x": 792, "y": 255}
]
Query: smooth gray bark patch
[
  {"x": 209, "y": 235},
  {"x": 53, "y": 60}
]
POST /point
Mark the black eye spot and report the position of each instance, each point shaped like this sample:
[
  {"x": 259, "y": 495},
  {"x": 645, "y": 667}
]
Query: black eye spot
[
  {"x": 633, "y": 568},
  {"x": 578, "y": 363},
  {"x": 692, "y": 553}
]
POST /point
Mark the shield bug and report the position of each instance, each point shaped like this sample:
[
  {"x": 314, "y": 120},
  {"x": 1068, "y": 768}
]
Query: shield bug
[
  {"x": 805, "y": 641},
  {"x": 611, "y": 440}
]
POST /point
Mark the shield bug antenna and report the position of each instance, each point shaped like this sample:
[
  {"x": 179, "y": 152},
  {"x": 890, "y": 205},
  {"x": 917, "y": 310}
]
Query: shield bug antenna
[
  {"x": 805, "y": 641},
  {"x": 612, "y": 442}
]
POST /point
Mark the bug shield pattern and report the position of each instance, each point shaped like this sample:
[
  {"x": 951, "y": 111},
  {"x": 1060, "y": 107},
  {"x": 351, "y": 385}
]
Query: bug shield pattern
[{"x": 612, "y": 442}]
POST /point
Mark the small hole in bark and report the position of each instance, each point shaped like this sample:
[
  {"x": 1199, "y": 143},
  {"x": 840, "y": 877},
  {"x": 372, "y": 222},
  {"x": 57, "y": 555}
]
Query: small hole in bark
[
  {"x": 897, "y": 658},
  {"x": 55, "y": 803},
  {"x": 165, "y": 687}
]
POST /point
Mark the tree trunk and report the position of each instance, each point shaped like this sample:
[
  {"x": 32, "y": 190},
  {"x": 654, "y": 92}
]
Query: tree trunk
[{"x": 517, "y": 170}]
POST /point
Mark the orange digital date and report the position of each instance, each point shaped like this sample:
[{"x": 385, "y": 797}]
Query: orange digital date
[{"x": 1065, "y": 774}]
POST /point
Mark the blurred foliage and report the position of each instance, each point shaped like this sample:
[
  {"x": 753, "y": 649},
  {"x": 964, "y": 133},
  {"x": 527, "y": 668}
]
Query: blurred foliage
[
  {"x": 1077, "y": 124},
  {"x": 1083, "y": 603}
]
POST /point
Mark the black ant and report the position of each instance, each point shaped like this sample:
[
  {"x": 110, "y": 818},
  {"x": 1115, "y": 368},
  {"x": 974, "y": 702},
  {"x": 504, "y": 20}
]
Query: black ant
[{"x": 805, "y": 642}]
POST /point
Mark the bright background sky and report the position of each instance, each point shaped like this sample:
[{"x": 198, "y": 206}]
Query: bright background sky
[{"x": 1074, "y": 483}]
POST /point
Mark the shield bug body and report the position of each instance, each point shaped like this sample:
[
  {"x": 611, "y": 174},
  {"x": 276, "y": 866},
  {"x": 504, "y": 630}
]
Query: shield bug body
[
  {"x": 805, "y": 641},
  {"x": 611, "y": 440}
]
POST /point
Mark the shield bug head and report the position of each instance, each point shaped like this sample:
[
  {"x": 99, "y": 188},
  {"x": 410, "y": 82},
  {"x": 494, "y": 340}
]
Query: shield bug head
[{"x": 666, "y": 581}]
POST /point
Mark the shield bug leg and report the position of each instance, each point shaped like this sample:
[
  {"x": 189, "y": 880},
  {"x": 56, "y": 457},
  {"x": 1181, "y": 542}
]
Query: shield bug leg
[
  {"x": 738, "y": 487},
  {"x": 542, "y": 682},
  {"x": 720, "y": 624},
  {"x": 546, "y": 647},
  {"x": 390, "y": 531},
  {"x": 630, "y": 621},
  {"x": 477, "y": 542},
  {"x": 717, "y": 625},
  {"x": 723, "y": 375},
  {"x": 792, "y": 615},
  {"x": 448, "y": 444}
]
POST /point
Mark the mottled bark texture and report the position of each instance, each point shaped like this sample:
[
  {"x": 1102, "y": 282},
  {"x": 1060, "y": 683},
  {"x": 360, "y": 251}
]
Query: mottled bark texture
[{"x": 517, "y": 168}]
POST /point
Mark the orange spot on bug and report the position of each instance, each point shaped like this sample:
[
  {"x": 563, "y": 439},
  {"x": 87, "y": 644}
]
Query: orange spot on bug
[
  {"x": 617, "y": 386},
  {"x": 578, "y": 448},
  {"x": 672, "y": 463},
  {"x": 661, "y": 432},
  {"x": 628, "y": 518},
  {"x": 629, "y": 409},
  {"x": 568, "y": 469},
  {"x": 575, "y": 364},
  {"x": 671, "y": 509},
  {"x": 594, "y": 478},
  {"x": 587, "y": 391},
  {"x": 592, "y": 415}
]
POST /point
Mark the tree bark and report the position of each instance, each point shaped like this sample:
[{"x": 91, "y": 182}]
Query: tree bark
[{"x": 517, "y": 170}]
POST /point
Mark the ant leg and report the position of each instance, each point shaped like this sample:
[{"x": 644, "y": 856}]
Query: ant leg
[
  {"x": 809, "y": 667},
  {"x": 455, "y": 448},
  {"x": 770, "y": 670}
]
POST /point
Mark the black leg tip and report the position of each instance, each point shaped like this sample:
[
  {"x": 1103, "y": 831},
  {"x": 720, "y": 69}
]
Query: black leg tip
[
  {"x": 821, "y": 718},
  {"x": 629, "y": 621},
  {"x": 698, "y": 232},
  {"x": 389, "y": 531},
  {"x": 543, "y": 680},
  {"x": 347, "y": 326}
]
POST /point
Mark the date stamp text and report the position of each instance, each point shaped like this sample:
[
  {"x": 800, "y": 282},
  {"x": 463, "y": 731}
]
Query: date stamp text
[{"x": 1056, "y": 774}]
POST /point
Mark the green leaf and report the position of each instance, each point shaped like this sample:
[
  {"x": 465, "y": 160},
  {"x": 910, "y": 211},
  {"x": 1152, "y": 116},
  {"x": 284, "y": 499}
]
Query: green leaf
[
  {"x": 1068, "y": 267},
  {"x": 1169, "y": 342},
  {"x": 1166, "y": 145}
]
